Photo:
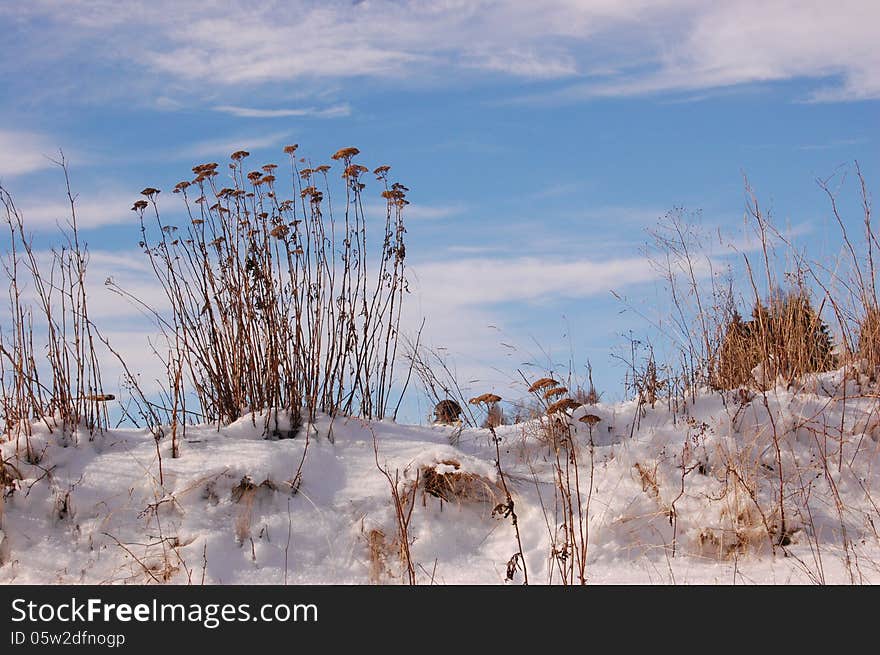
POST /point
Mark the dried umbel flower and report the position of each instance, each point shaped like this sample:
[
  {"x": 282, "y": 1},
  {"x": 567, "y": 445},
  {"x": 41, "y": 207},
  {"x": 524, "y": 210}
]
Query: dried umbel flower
[
  {"x": 566, "y": 404},
  {"x": 253, "y": 176},
  {"x": 486, "y": 398},
  {"x": 238, "y": 155},
  {"x": 345, "y": 153},
  {"x": 393, "y": 195},
  {"x": 590, "y": 419},
  {"x": 268, "y": 168},
  {"x": 225, "y": 192},
  {"x": 181, "y": 186},
  {"x": 279, "y": 231},
  {"x": 149, "y": 192},
  {"x": 306, "y": 173},
  {"x": 308, "y": 191},
  {"x": 543, "y": 383},
  {"x": 268, "y": 179},
  {"x": 291, "y": 148},
  {"x": 381, "y": 171},
  {"x": 139, "y": 205},
  {"x": 204, "y": 169},
  {"x": 555, "y": 391},
  {"x": 354, "y": 170},
  {"x": 323, "y": 168}
]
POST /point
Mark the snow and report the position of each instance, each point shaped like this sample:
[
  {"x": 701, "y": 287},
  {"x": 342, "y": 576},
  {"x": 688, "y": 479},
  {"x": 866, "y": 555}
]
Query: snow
[{"x": 678, "y": 497}]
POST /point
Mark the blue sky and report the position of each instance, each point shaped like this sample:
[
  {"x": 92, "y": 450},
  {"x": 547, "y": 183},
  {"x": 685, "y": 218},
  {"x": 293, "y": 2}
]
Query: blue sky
[{"x": 539, "y": 140}]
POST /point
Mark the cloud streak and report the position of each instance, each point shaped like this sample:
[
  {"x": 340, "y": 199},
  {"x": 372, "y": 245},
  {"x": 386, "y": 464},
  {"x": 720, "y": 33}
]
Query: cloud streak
[
  {"x": 24, "y": 152},
  {"x": 335, "y": 111},
  {"x": 595, "y": 48}
]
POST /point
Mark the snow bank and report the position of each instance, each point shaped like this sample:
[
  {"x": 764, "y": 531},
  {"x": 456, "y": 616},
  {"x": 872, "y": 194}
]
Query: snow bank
[{"x": 687, "y": 497}]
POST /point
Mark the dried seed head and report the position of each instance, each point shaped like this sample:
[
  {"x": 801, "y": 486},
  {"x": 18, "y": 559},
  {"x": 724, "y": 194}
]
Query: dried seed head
[
  {"x": 149, "y": 192},
  {"x": 201, "y": 169},
  {"x": 291, "y": 148},
  {"x": 279, "y": 231},
  {"x": 323, "y": 168},
  {"x": 381, "y": 171},
  {"x": 354, "y": 170},
  {"x": 238, "y": 155},
  {"x": 139, "y": 205},
  {"x": 269, "y": 167},
  {"x": 181, "y": 186},
  {"x": 486, "y": 398},
  {"x": 345, "y": 153},
  {"x": 589, "y": 419},
  {"x": 555, "y": 391},
  {"x": 543, "y": 383},
  {"x": 563, "y": 405}
]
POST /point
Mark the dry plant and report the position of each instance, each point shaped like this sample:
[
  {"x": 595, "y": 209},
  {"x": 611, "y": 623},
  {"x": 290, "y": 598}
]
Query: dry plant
[
  {"x": 278, "y": 303},
  {"x": 403, "y": 498},
  {"x": 446, "y": 481},
  {"x": 47, "y": 304}
]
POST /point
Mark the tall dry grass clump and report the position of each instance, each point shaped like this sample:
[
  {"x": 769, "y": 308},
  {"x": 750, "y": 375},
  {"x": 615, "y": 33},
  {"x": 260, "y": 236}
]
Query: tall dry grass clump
[
  {"x": 49, "y": 370},
  {"x": 785, "y": 339},
  {"x": 278, "y": 300}
]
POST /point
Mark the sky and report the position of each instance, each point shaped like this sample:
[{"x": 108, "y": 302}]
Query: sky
[{"x": 540, "y": 140}]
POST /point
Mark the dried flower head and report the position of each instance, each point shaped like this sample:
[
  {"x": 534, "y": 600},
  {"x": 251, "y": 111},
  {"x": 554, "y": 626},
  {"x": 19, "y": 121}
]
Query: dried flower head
[
  {"x": 306, "y": 173},
  {"x": 354, "y": 170},
  {"x": 589, "y": 419},
  {"x": 238, "y": 155},
  {"x": 279, "y": 231},
  {"x": 543, "y": 383},
  {"x": 291, "y": 148},
  {"x": 323, "y": 168},
  {"x": 345, "y": 153},
  {"x": 149, "y": 192},
  {"x": 269, "y": 167},
  {"x": 563, "y": 405},
  {"x": 555, "y": 391},
  {"x": 139, "y": 205},
  {"x": 486, "y": 398},
  {"x": 253, "y": 176},
  {"x": 381, "y": 171},
  {"x": 201, "y": 169},
  {"x": 181, "y": 186}
]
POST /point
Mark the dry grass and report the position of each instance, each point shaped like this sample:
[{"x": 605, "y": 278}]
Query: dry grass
[
  {"x": 378, "y": 550},
  {"x": 446, "y": 481}
]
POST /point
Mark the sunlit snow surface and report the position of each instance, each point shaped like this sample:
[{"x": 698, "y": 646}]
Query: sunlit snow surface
[{"x": 95, "y": 512}]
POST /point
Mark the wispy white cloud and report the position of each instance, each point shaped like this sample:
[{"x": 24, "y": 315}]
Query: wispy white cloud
[
  {"x": 25, "y": 152},
  {"x": 599, "y": 47},
  {"x": 491, "y": 281},
  {"x": 92, "y": 210},
  {"x": 419, "y": 211},
  {"x": 335, "y": 111}
]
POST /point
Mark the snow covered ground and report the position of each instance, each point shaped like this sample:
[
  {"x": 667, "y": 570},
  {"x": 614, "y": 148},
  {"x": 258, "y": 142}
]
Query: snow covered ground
[{"x": 690, "y": 497}]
